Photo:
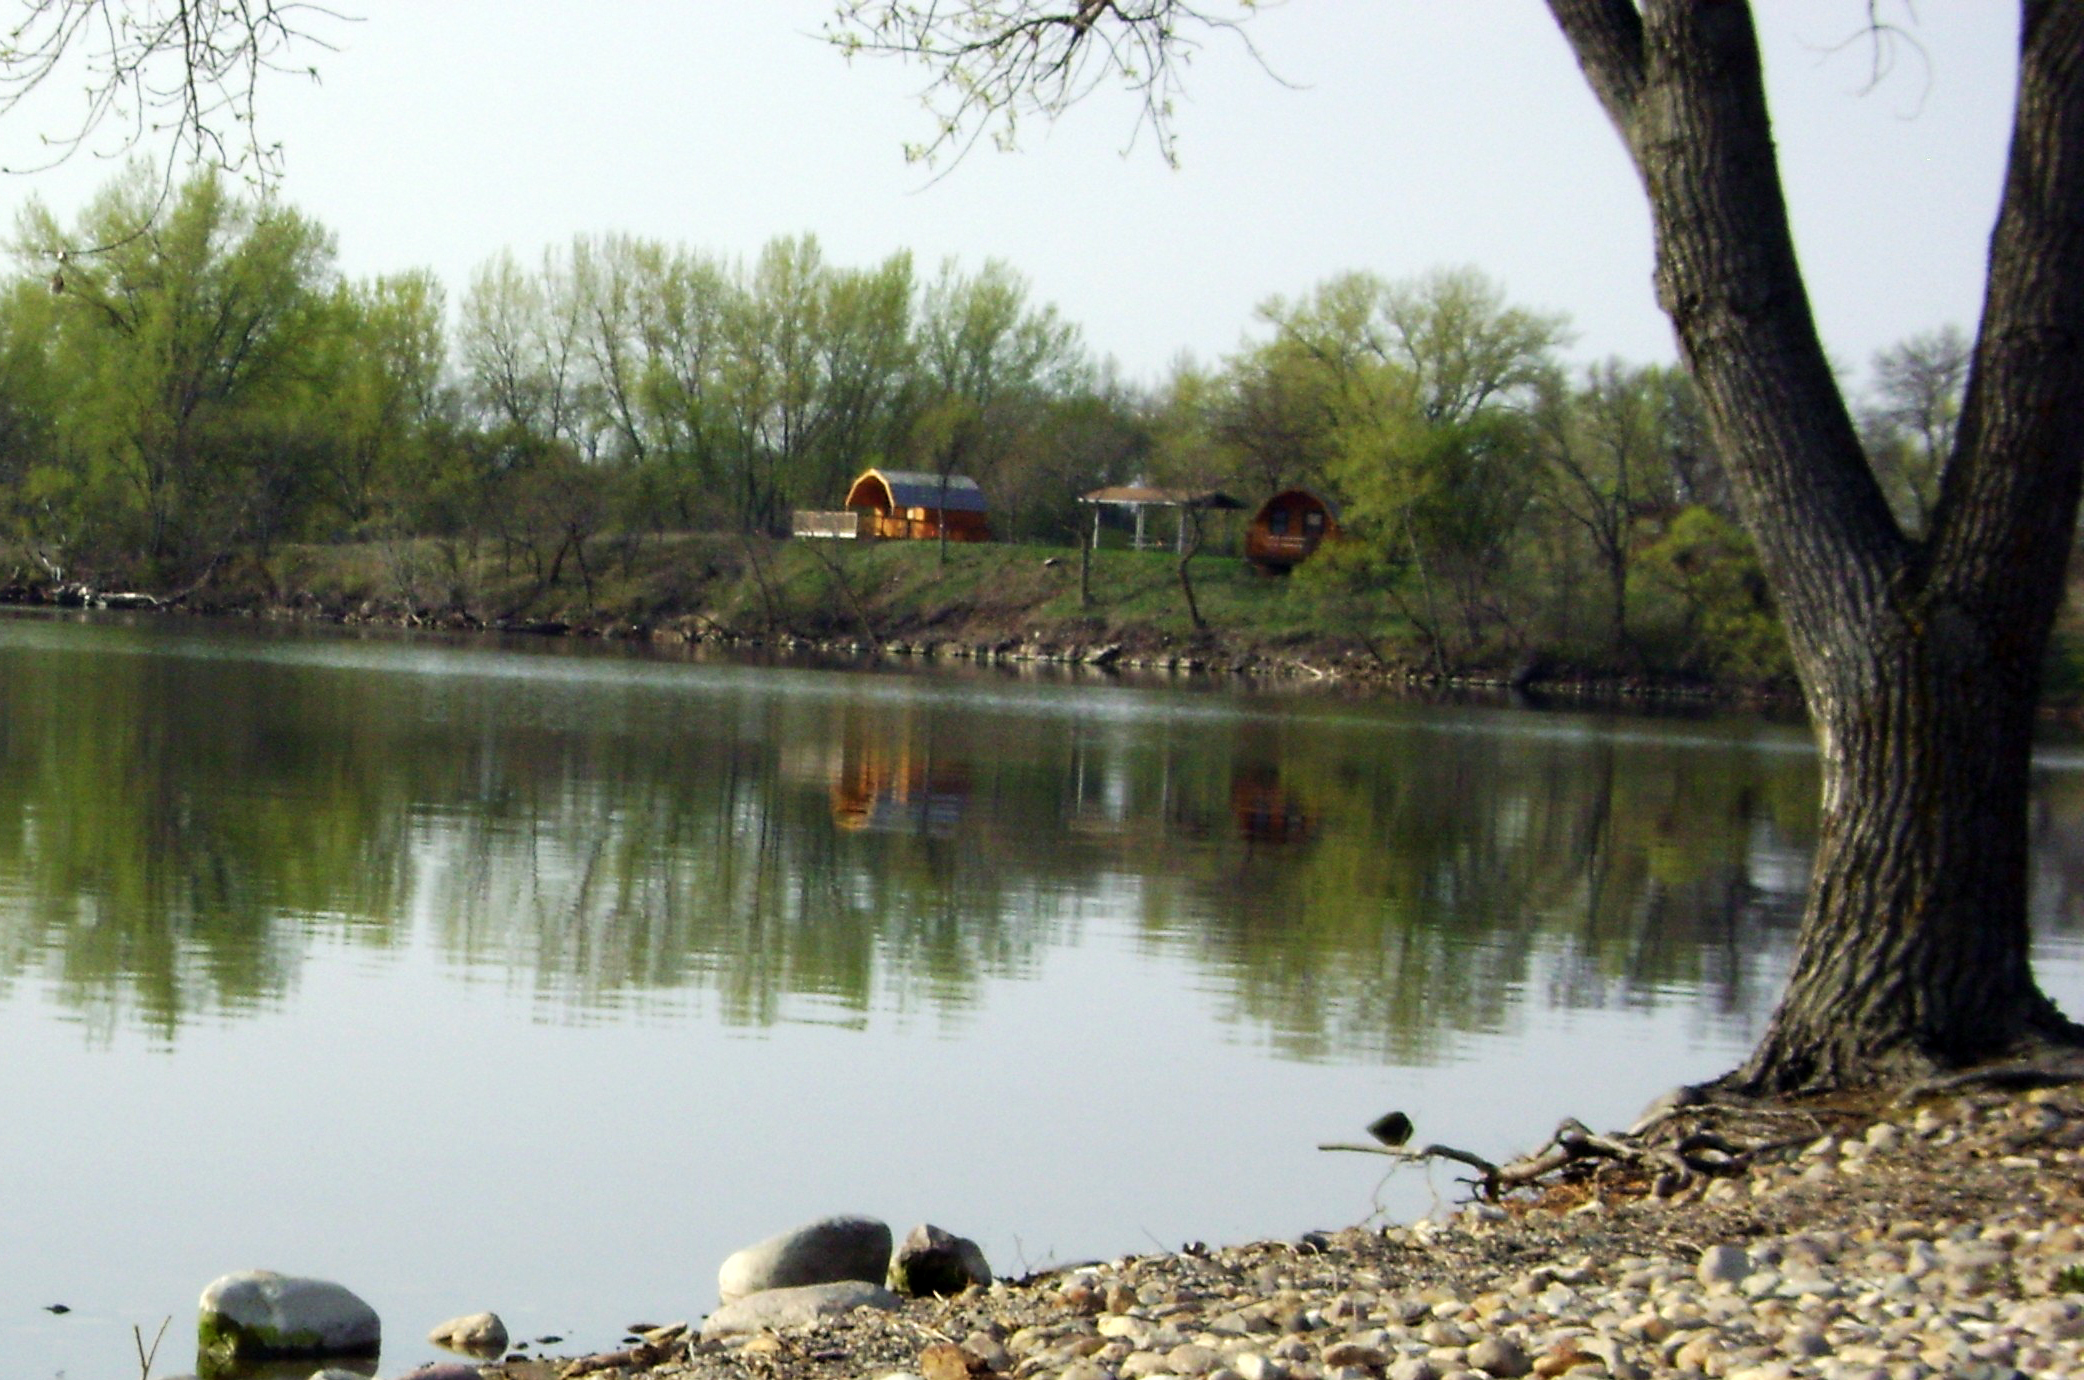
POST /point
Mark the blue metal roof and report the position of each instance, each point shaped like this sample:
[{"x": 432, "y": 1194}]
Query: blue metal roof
[{"x": 922, "y": 489}]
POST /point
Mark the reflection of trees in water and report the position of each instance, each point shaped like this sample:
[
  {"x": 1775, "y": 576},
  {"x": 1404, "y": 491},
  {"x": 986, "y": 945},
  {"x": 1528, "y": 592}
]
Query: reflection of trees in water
[
  {"x": 174, "y": 830},
  {"x": 147, "y": 860},
  {"x": 1452, "y": 873},
  {"x": 819, "y": 850},
  {"x": 2058, "y": 830}
]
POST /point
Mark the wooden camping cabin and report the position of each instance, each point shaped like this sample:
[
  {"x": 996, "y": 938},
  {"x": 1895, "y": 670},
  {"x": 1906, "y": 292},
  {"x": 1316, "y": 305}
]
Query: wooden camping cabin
[
  {"x": 1287, "y": 528},
  {"x": 916, "y": 505}
]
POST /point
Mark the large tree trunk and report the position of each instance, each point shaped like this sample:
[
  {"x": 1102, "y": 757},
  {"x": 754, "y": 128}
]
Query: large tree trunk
[
  {"x": 1913, "y": 950},
  {"x": 1919, "y": 659}
]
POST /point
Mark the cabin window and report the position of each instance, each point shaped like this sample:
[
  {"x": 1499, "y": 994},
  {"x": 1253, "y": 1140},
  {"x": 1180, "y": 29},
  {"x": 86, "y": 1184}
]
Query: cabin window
[
  {"x": 1313, "y": 522},
  {"x": 1277, "y": 522}
]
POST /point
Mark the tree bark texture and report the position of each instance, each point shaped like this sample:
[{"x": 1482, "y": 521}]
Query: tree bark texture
[{"x": 1920, "y": 658}]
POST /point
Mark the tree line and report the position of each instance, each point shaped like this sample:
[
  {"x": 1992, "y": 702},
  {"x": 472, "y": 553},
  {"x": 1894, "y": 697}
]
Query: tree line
[{"x": 196, "y": 382}]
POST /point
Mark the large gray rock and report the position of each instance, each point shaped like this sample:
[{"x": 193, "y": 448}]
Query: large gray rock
[
  {"x": 821, "y": 1252},
  {"x": 932, "y": 1261},
  {"x": 258, "y": 1315},
  {"x": 479, "y": 1334},
  {"x": 797, "y": 1307}
]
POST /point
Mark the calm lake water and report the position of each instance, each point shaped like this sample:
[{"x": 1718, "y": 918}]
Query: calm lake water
[{"x": 540, "y": 978}]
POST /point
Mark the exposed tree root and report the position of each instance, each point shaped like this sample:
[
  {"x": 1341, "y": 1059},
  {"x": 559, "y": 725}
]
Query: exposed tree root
[
  {"x": 2055, "y": 1066},
  {"x": 2047, "y": 1050}
]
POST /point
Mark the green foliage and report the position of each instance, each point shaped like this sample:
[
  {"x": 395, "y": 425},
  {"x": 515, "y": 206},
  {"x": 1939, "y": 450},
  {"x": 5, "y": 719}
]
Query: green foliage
[
  {"x": 1408, "y": 401},
  {"x": 190, "y": 356},
  {"x": 1709, "y": 612},
  {"x": 1441, "y": 504}
]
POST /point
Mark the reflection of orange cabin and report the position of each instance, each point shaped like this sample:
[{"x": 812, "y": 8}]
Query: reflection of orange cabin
[
  {"x": 1287, "y": 528},
  {"x": 916, "y": 505},
  {"x": 1267, "y": 814},
  {"x": 874, "y": 788}
]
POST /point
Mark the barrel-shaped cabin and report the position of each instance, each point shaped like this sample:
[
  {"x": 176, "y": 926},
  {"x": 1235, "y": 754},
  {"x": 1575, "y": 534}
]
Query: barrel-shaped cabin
[
  {"x": 920, "y": 506},
  {"x": 1288, "y": 527}
]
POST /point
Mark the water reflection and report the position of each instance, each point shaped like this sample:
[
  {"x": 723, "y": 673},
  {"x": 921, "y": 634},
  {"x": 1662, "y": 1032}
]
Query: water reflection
[
  {"x": 1266, "y": 812},
  {"x": 178, "y": 818},
  {"x": 887, "y": 773}
]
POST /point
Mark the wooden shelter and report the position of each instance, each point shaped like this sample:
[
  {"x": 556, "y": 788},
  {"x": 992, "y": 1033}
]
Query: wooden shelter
[
  {"x": 918, "y": 505},
  {"x": 1287, "y": 528},
  {"x": 1139, "y": 498}
]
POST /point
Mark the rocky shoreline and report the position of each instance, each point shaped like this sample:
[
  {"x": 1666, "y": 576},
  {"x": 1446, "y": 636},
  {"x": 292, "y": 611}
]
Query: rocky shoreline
[
  {"x": 1879, "y": 1243},
  {"x": 1156, "y": 656}
]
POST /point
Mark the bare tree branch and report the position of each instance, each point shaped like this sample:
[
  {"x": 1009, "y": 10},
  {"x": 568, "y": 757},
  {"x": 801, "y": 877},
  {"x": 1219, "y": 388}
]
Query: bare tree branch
[
  {"x": 995, "y": 63},
  {"x": 184, "y": 72}
]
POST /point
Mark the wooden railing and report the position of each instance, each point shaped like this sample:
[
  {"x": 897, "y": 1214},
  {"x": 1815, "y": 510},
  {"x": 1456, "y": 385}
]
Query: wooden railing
[{"x": 848, "y": 524}]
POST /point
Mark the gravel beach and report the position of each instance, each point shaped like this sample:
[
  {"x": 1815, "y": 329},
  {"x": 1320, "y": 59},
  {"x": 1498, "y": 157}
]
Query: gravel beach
[{"x": 1871, "y": 1243}]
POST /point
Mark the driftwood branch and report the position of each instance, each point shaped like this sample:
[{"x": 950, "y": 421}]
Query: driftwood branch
[
  {"x": 641, "y": 1356},
  {"x": 1430, "y": 1152},
  {"x": 1683, "y": 1161}
]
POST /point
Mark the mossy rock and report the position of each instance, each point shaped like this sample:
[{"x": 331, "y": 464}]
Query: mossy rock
[{"x": 258, "y": 1315}]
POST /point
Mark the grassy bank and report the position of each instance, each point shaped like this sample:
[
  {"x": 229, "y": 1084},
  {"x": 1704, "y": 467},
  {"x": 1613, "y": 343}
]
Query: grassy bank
[
  {"x": 703, "y": 585},
  {"x": 1034, "y": 600}
]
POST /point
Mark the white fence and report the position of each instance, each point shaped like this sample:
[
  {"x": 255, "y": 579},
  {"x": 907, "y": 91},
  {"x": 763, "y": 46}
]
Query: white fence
[{"x": 848, "y": 524}]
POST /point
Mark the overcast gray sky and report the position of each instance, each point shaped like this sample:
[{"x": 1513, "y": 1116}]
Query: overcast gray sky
[{"x": 1412, "y": 134}]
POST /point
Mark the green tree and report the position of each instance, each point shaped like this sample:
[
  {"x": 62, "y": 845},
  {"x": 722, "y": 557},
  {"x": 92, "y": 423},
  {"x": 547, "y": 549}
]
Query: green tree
[
  {"x": 185, "y": 345},
  {"x": 386, "y": 399},
  {"x": 990, "y": 363},
  {"x": 519, "y": 342},
  {"x": 1912, "y": 417},
  {"x": 1416, "y": 394},
  {"x": 1709, "y": 612},
  {"x": 682, "y": 310},
  {"x": 36, "y": 483},
  {"x": 1606, "y": 463},
  {"x": 1442, "y": 505},
  {"x": 1088, "y": 438},
  {"x": 1188, "y": 453},
  {"x": 1919, "y": 655},
  {"x": 1281, "y": 407}
]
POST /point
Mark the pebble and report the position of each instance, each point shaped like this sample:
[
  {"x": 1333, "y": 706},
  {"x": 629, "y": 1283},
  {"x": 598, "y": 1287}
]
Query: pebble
[
  {"x": 1723, "y": 1265},
  {"x": 1500, "y": 1356}
]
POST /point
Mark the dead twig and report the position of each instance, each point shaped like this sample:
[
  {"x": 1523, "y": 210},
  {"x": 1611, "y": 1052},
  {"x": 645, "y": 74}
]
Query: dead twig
[{"x": 145, "y": 1357}]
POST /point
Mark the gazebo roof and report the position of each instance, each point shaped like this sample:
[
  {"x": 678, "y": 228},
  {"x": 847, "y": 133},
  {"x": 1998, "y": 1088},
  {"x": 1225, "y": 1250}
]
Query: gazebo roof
[{"x": 1144, "y": 496}]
